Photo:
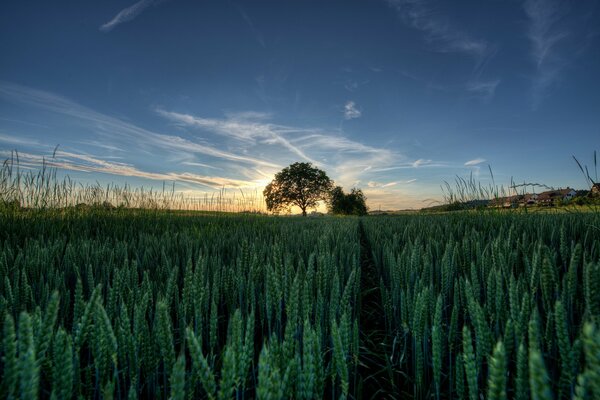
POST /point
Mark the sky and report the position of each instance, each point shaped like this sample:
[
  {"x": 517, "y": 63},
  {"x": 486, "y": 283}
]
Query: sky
[{"x": 393, "y": 97}]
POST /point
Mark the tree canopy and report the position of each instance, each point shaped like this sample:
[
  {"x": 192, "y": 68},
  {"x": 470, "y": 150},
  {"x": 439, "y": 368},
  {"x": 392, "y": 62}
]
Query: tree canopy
[
  {"x": 353, "y": 203},
  {"x": 300, "y": 184}
]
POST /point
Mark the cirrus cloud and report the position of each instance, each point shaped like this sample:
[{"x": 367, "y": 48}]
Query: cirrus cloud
[
  {"x": 128, "y": 14},
  {"x": 475, "y": 161}
]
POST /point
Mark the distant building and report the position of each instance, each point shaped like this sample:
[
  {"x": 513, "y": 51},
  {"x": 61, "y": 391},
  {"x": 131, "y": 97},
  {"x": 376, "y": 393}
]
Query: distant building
[
  {"x": 529, "y": 199},
  {"x": 568, "y": 193},
  {"x": 547, "y": 198},
  {"x": 506, "y": 202},
  {"x": 551, "y": 196}
]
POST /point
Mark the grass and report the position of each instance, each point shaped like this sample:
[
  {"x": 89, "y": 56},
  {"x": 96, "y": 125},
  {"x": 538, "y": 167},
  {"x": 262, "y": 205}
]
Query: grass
[
  {"x": 138, "y": 301},
  {"x": 43, "y": 189}
]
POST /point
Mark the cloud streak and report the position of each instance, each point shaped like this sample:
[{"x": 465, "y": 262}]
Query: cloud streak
[
  {"x": 420, "y": 163},
  {"x": 350, "y": 160},
  {"x": 86, "y": 163},
  {"x": 338, "y": 143},
  {"x": 484, "y": 89},
  {"x": 474, "y": 162},
  {"x": 347, "y": 157},
  {"x": 128, "y": 14},
  {"x": 18, "y": 140},
  {"x": 545, "y": 34},
  {"x": 373, "y": 184},
  {"x": 248, "y": 127},
  {"x": 259, "y": 37},
  {"x": 447, "y": 37},
  {"x": 110, "y": 127},
  {"x": 351, "y": 111},
  {"x": 421, "y": 15}
]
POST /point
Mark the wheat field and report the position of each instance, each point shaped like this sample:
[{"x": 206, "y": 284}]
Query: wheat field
[{"x": 122, "y": 303}]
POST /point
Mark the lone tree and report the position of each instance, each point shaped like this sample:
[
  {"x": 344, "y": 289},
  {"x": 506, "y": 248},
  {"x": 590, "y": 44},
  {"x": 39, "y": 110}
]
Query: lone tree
[
  {"x": 353, "y": 203},
  {"x": 300, "y": 185}
]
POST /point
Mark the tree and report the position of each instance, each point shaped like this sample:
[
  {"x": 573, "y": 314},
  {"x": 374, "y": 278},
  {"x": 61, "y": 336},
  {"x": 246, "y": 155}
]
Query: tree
[
  {"x": 353, "y": 203},
  {"x": 300, "y": 185}
]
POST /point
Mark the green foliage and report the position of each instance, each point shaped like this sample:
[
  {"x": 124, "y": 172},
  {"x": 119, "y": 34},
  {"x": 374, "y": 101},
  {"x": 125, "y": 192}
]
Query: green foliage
[
  {"x": 27, "y": 364},
  {"x": 353, "y": 203},
  {"x": 164, "y": 335},
  {"x": 522, "y": 378},
  {"x": 469, "y": 364},
  {"x": 201, "y": 367},
  {"x": 299, "y": 184},
  {"x": 588, "y": 382},
  {"x": 178, "y": 379},
  {"x": 538, "y": 377},
  {"x": 437, "y": 343},
  {"x": 10, "y": 374},
  {"x": 62, "y": 372},
  {"x": 497, "y": 379}
]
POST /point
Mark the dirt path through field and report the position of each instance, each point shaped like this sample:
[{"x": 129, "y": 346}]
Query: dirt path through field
[{"x": 374, "y": 380}]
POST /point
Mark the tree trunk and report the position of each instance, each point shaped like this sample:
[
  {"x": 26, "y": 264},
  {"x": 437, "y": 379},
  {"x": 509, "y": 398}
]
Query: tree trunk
[{"x": 304, "y": 212}]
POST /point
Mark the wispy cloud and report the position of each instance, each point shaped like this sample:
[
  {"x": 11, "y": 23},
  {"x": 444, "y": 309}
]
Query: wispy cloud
[
  {"x": 18, "y": 140},
  {"x": 128, "y": 14},
  {"x": 446, "y": 36},
  {"x": 197, "y": 164},
  {"x": 373, "y": 184},
  {"x": 420, "y": 162},
  {"x": 543, "y": 15},
  {"x": 259, "y": 37},
  {"x": 350, "y": 160},
  {"x": 484, "y": 89},
  {"x": 351, "y": 111},
  {"x": 347, "y": 161},
  {"x": 114, "y": 128},
  {"x": 422, "y": 15},
  {"x": 249, "y": 127},
  {"x": 105, "y": 146},
  {"x": 475, "y": 161},
  {"x": 337, "y": 143},
  {"x": 351, "y": 82},
  {"x": 19, "y": 121},
  {"x": 545, "y": 33},
  {"x": 86, "y": 163}
]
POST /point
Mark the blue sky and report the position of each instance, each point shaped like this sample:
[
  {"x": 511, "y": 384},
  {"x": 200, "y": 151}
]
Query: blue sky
[{"x": 392, "y": 96}]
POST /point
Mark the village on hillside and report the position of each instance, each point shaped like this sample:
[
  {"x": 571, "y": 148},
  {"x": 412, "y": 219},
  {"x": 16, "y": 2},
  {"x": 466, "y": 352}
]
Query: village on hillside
[{"x": 547, "y": 198}]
